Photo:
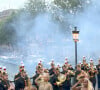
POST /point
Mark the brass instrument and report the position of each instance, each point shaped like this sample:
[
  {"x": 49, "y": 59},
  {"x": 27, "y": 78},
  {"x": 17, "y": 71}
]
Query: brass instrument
[{"x": 61, "y": 79}]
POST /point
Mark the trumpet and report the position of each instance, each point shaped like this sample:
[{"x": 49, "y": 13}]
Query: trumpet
[{"x": 61, "y": 79}]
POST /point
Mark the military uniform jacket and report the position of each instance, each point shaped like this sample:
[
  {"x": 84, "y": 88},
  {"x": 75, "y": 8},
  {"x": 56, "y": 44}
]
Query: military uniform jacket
[
  {"x": 98, "y": 75},
  {"x": 6, "y": 84},
  {"x": 20, "y": 83},
  {"x": 53, "y": 81},
  {"x": 1, "y": 85},
  {"x": 98, "y": 68},
  {"x": 67, "y": 82},
  {"x": 34, "y": 77},
  {"x": 76, "y": 74},
  {"x": 16, "y": 81},
  {"x": 51, "y": 71},
  {"x": 92, "y": 75}
]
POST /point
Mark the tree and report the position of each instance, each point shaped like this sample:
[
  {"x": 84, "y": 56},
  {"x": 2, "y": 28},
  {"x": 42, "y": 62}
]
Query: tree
[
  {"x": 61, "y": 10},
  {"x": 7, "y": 32},
  {"x": 65, "y": 10},
  {"x": 35, "y": 6},
  {"x": 72, "y": 6}
]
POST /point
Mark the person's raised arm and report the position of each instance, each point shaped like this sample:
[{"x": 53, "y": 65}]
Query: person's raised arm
[
  {"x": 36, "y": 80},
  {"x": 76, "y": 87}
]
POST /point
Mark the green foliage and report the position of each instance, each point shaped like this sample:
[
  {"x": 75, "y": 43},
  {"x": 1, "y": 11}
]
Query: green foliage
[
  {"x": 39, "y": 6},
  {"x": 72, "y": 5},
  {"x": 35, "y": 6},
  {"x": 7, "y": 32},
  {"x": 59, "y": 9},
  {"x": 66, "y": 10}
]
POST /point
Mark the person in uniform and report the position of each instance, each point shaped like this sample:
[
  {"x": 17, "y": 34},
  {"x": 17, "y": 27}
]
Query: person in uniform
[
  {"x": 66, "y": 63},
  {"x": 77, "y": 72},
  {"x": 51, "y": 71},
  {"x": 1, "y": 78},
  {"x": 84, "y": 65},
  {"x": 21, "y": 82},
  {"x": 92, "y": 72},
  {"x": 5, "y": 82},
  {"x": 39, "y": 70},
  {"x": 21, "y": 78},
  {"x": 66, "y": 84},
  {"x": 70, "y": 67},
  {"x": 68, "y": 73},
  {"x": 34, "y": 77},
  {"x": 98, "y": 75},
  {"x": 17, "y": 76},
  {"x": 54, "y": 79}
]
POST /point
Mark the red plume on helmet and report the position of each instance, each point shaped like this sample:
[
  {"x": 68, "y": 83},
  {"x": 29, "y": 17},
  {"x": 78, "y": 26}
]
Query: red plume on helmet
[
  {"x": 40, "y": 63},
  {"x": 66, "y": 60},
  {"x": 0, "y": 68},
  {"x": 84, "y": 58},
  {"x": 4, "y": 68},
  {"x": 91, "y": 60},
  {"x": 22, "y": 64},
  {"x": 52, "y": 63}
]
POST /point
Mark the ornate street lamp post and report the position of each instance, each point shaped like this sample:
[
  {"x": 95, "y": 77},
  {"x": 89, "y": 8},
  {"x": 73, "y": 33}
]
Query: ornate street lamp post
[{"x": 75, "y": 34}]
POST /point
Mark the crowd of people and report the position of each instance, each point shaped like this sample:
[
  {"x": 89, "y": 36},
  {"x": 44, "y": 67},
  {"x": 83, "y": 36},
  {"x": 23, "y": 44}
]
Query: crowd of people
[{"x": 83, "y": 77}]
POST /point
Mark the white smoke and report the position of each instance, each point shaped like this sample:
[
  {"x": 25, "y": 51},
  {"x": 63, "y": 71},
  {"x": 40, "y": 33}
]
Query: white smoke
[{"x": 41, "y": 38}]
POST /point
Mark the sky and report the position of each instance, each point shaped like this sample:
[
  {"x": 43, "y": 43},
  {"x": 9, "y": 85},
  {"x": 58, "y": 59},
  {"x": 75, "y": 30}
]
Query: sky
[{"x": 11, "y": 4}]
